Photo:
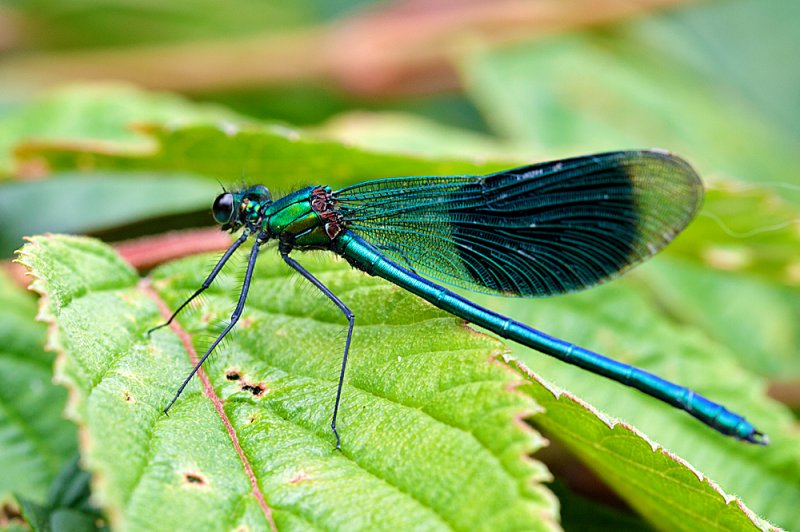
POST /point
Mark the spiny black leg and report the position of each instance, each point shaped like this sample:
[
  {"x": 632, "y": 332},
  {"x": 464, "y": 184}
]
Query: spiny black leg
[
  {"x": 234, "y": 318},
  {"x": 207, "y": 282},
  {"x": 351, "y": 318}
]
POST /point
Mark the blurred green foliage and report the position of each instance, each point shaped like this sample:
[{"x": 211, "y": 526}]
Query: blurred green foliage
[{"x": 714, "y": 81}]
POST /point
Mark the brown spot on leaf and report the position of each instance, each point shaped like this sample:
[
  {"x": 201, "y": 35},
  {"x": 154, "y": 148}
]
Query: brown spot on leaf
[
  {"x": 257, "y": 389},
  {"x": 128, "y": 397},
  {"x": 195, "y": 479},
  {"x": 9, "y": 514}
]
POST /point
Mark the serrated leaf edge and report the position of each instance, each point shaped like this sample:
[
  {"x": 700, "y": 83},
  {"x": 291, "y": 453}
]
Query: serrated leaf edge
[{"x": 615, "y": 425}]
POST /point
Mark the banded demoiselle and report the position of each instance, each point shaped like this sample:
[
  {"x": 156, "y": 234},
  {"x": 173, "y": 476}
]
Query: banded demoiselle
[{"x": 540, "y": 230}]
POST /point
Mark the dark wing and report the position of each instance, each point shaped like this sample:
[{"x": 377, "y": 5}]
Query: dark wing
[{"x": 538, "y": 230}]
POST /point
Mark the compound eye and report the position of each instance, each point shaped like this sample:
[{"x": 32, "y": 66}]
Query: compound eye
[{"x": 223, "y": 208}]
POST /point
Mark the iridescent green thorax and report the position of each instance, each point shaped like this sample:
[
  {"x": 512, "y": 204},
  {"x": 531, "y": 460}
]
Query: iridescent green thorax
[{"x": 305, "y": 219}]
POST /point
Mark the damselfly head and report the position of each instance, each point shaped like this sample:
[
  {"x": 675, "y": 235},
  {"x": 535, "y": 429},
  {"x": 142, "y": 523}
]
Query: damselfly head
[{"x": 234, "y": 209}]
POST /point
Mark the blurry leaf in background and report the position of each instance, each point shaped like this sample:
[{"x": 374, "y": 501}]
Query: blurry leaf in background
[
  {"x": 738, "y": 277},
  {"x": 369, "y": 48},
  {"x": 310, "y": 105},
  {"x": 98, "y": 23},
  {"x": 35, "y": 439},
  {"x": 102, "y": 116},
  {"x": 744, "y": 46},
  {"x": 418, "y": 136},
  {"x": 281, "y": 157},
  {"x": 83, "y": 203},
  {"x": 622, "y": 89},
  {"x": 755, "y": 317},
  {"x": 582, "y": 513},
  {"x": 68, "y": 506}
]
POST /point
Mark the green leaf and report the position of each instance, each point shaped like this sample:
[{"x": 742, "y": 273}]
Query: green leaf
[
  {"x": 428, "y": 419},
  {"x": 36, "y": 515},
  {"x": 581, "y": 513},
  {"x": 70, "y": 489},
  {"x": 34, "y": 438},
  {"x": 107, "y": 200},
  {"x": 105, "y": 23},
  {"x": 277, "y": 155},
  {"x": 100, "y": 115},
  {"x": 68, "y": 506},
  {"x": 400, "y": 132},
  {"x": 658, "y": 484}
]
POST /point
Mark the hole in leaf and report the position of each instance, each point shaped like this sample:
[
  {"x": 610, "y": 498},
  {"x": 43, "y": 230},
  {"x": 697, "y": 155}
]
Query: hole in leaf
[
  {"x": 233, "y": 375},
  {"x": 255, "y": 389}
]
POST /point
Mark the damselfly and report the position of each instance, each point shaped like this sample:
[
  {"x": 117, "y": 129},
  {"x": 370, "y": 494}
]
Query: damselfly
[{"x": 538, "y": 230}]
